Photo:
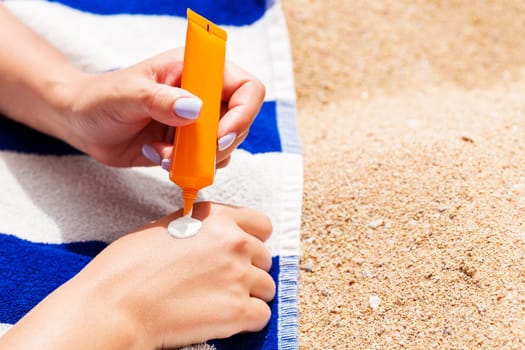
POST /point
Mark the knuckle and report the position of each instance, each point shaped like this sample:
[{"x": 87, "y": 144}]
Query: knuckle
[
  {"x": 149, "y": 96},
  {"x": 236, "y": 241},
  {"x": 236, "y": 310}
]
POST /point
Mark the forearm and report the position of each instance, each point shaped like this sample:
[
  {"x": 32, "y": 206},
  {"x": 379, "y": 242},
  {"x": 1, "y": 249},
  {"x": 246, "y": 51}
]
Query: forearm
[
  {"x": 72, "y": 317},
  {"x": 36, "y": 80}
]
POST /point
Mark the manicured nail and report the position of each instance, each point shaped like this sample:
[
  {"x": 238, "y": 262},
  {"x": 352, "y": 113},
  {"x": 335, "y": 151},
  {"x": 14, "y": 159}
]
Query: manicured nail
[
  {"x": 226, "y": 141},
  {"x": 166, "y": 164},
  {"x": 188, "y": 107},
  {"x": 151, "y": 154}
]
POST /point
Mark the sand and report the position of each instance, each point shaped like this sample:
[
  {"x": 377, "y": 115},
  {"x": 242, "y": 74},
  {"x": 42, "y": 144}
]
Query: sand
[{"x": 411, "y": 116}]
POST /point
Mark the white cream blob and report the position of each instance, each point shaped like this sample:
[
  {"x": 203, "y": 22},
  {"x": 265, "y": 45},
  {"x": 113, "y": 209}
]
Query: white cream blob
[{"x": 184, "y": 227}]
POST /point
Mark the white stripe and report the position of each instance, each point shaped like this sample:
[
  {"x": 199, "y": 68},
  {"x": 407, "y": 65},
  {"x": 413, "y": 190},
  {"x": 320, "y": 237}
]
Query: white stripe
[
  {"x": 4, "y": 327},
  {"x": 280, "y": 55},
  {"x": 286, "y": 124},
  {"x": 99, "y": 43},
  {"x": 272, "y": 183},
  {"x": 73, "y": 198}
]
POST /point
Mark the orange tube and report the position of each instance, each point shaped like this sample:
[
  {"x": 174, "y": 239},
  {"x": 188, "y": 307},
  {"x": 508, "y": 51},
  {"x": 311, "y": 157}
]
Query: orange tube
[{"x": 195, "y": 145}]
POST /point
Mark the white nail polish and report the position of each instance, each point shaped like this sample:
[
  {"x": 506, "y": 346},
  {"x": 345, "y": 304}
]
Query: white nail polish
[{"x": 226, "y": 141}]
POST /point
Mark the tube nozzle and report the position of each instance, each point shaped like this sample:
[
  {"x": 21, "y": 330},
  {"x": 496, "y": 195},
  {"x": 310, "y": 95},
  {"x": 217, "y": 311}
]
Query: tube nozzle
[{"x": 189, "y": 195}]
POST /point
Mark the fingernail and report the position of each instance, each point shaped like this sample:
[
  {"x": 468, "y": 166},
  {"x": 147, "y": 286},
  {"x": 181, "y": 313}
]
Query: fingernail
[
  {"x": 226, "y": 141},
  {"x": 188, "y": 107},
  {"x": 151, "y": 154},
  {"x": 165, "y": 164}
]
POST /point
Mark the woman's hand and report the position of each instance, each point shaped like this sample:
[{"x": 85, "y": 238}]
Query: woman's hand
[
  {"x": 112, "y": 116},
  {"x": 118, "y": 116},
  {"x": 149, "y": 290}
]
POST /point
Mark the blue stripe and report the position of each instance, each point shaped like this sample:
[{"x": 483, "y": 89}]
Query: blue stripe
[
  {"x": 264, "y": 133},
  {"x": 20, "y": 138},
  {"x": 30, "y": 271},
  {"x": 223, "y": 12},
  {"x": 263, "y": 136}
]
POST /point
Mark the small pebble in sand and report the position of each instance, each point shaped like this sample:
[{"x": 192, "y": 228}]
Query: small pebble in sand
[
  {"x": 468, "y": 270},
  {"x": 359, "y": 261},
  {"x": 481, "y": 308},
  {"x": 375, "y": 224},
  {"x": 374, "y": 301},
  {"x": 442, "y": 208},
  {"x": 466, "y": 138},
  {"x": 309, "y": 267}
]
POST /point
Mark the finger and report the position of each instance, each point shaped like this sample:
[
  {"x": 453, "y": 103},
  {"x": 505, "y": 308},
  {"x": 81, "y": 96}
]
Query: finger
[
  {"x": 223, "y": 156},
  {"x": 143, "y": 151},
  {"x": 263, "y": 285},
  {"x": 169, "y": 105},
  {"x": 151, "y": 154},
  {"x": 253, "y": 222},
  {"x": 258, "y": 315},
  {"x": 156, "y": 153},
  {"x": 170, "y": 135},
  {"x": 261, "y": 257},
  {"x": 164, "y": 148},
  {"x": 244, "y": 95},
  {"x": 249, "y": 220},
  {"x": 223, "y": 163}
]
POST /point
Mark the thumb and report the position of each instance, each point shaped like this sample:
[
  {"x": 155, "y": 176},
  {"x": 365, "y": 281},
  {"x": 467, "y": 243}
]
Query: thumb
[{"x": 171, "y": 105}]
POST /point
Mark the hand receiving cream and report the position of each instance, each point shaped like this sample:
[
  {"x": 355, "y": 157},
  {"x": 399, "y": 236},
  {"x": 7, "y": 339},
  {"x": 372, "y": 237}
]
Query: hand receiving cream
[{"x": 184, "y": 227}]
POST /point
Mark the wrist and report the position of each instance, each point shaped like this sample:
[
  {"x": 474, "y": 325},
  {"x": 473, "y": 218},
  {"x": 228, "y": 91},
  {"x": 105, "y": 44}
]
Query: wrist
[
  {"x": 59, "y": 94},
  {"x": 35, "y": 78},
  {"x": 41, "y": 101},
  {"x": 103, "y": 318},
  {"x": 73, "y": 317}
]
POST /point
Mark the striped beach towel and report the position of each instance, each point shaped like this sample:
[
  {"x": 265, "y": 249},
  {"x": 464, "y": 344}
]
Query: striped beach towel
[{"x": 59, "y": 208}]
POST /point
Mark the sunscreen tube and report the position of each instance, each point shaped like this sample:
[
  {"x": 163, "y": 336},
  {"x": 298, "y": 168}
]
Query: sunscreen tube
[{"x": 195, "y": 145}]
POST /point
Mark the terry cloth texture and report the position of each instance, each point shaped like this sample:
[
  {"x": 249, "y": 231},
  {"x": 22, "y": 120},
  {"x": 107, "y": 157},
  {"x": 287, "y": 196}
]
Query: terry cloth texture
[{"x": 59, "y": 208}]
